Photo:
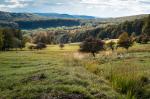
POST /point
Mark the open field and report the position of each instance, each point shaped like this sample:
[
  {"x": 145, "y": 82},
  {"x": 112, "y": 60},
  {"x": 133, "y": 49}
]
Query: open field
[{"x": 53, "y": 73}]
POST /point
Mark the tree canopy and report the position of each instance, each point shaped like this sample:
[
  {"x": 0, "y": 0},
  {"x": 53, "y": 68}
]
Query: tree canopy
[{"x": 92, "y": 45}]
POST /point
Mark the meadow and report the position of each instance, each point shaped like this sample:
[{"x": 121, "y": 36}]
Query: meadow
[{"x": 55, "y": 73}]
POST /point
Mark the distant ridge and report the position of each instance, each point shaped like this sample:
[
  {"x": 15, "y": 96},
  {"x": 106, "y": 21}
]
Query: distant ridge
[
  {"x": 37, "y": 16},
  {"x": 56, "y": 15},
  {"x": 124, "y": 18},
  {"x": 18, "y": 16}
]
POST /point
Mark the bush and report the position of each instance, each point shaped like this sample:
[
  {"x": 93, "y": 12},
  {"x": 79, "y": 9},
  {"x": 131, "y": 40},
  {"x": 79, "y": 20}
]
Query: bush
[
  {"x": 61, "y": 45},
  {"x": 31, "y": 46},
  {"x": 143, "y": 39},
  {"x": 40, "y": 46},
  {"x": 111, "y": 45},
  {"x": 36, "y": 46}
]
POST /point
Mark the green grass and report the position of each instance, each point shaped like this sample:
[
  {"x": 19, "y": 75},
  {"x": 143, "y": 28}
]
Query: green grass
[{"x": 54, "y": 73}]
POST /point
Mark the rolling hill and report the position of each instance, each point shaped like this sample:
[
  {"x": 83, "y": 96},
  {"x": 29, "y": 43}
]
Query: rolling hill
[
  {"x": 125, "y": 18},
  {"x": 46, "y": 20},
  {"x": 39, "y": 16},
  {"x": 7, "y": 16}
]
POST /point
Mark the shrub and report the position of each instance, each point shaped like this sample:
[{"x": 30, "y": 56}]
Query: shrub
[
  {"x": 61, "y": 45},
  {"x": 111, "y": 45},
  {"x": 40, "y": 46},
  {"x": 143, "y": 39},
  {"x": 31, "y": 46}
]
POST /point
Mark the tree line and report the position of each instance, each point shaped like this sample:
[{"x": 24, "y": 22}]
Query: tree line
[
  {"x": 138, "y": 27},
  {"x": 93, "y": 45},
  {"x": 14, "y": 38},
  {"x": 11, "y": 38}
]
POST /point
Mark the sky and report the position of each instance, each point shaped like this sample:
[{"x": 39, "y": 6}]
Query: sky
[{"x": 98, "y": 8}]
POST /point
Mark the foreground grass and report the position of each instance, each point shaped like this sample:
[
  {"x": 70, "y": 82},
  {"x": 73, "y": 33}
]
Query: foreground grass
[{"x": 54, "y": 73}]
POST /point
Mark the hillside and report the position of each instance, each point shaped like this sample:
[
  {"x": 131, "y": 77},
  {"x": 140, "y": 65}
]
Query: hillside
[
  {"x": 33, "y": 21},
  {"x": 126, "y": 18},
  {"x": 7, "y": 16},
  {"x": 46, "y": 20}
]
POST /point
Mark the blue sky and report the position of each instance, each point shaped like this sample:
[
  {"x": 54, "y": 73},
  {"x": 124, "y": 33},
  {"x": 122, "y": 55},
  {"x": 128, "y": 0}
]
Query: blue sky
[{"x": 99, "y": 8}]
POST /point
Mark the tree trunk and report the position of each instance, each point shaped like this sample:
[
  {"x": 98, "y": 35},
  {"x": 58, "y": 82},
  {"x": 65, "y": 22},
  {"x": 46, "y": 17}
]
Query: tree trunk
[{"x": 93, "y": 54}]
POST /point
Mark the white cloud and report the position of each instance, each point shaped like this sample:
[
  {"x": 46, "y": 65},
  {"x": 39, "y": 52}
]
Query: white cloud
[
  {"x": 117, "y": 7},
  {"x": 101, "y": 8},
  {"x": 10, "y": 4}
]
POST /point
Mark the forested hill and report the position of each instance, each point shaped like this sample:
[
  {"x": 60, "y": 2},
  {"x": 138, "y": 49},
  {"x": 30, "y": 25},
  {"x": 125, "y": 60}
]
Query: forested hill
[
  {"x": 34, "y": 24},
  {"x": 39, "y": 20},
  {"x": 46, "y": 20},
  {"x": 136, "y": 28},
  {"x": 7, "y": 16},
  {"x": 125, "y": 18}
]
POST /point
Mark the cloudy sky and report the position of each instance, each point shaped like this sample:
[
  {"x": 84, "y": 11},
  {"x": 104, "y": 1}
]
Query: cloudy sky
[{"x": 99, "y": 8}]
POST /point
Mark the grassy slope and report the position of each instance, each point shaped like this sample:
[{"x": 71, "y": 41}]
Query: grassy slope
[{"x": 55, "y": 73}]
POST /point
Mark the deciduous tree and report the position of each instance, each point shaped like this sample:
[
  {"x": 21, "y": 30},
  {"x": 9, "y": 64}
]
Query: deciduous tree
[
  {"x": 1, "y": 40},
  {"x": 91, "y": 45},
  {"x": 125, "y": 41}
]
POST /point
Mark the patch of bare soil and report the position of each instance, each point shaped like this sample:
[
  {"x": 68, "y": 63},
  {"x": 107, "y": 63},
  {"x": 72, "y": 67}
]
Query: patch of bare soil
[{"x": 34, "y": 78}]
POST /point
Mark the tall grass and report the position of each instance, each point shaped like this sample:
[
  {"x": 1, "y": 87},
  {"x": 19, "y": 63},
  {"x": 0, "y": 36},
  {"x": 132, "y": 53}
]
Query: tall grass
[
  {"x": 69, "y": 60},
  {"x": 128, "y": 79},
  {"x": 128, "y": 83}
]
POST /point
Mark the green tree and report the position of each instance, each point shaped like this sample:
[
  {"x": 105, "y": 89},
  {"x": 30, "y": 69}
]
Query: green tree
[
  {"x": 12, "y": 38},
  {"x": 1, "y": 40},
  {"x": 125, "y": 41},
  {"x": 91, "y": 45},
  {"x": 146, "y": 27},
  {"x": 8, "y": 39}
]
